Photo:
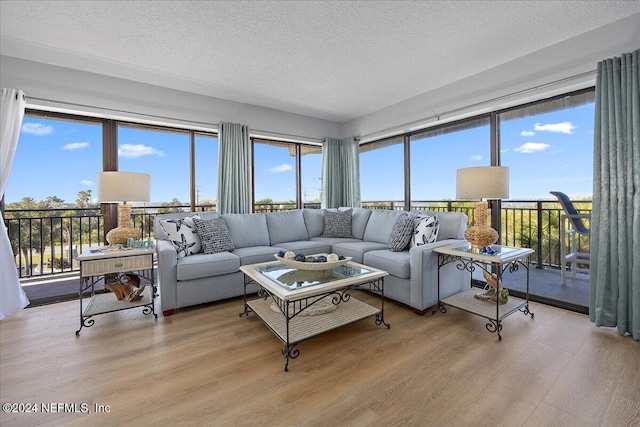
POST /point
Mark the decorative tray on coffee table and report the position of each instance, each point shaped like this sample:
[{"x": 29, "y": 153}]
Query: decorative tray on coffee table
[{"x": 300, "y": 265}]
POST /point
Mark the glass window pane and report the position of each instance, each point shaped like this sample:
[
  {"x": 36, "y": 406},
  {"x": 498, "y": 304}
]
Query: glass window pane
[
  {"x": 55, "y": 158},
  {"x": 382, "y": 171},
  {"x": 274, "y": 167},
  {"x": 549, "y": 147},
  {"x": 206, "y": 159},
  {"x": 311, "y": 174},
  {"x": 437, "y": 154},
  {"x": 162, "y": 154}
]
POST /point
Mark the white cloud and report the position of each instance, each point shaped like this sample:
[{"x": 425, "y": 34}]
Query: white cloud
[
  {"x": 531, "y": 147},
  {"x": 37, "y": 129},
  {"x": 133, "y": 151},
  {"x": 280, "y": 168},
  {"x": 75, "y": 145},
  {"x": 527, "y": 133},
  {"x": 564, "y": 127},
  {"x": 476, "y": 158},
  {"x": 86, "y": 183}
]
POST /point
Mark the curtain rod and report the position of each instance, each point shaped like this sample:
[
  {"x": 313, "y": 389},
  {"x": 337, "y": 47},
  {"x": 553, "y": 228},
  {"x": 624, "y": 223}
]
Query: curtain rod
[
  {"x": 401, "y": 128},
  {"x": 151, "y": 116},
  {"x": 73, "y": 104}
]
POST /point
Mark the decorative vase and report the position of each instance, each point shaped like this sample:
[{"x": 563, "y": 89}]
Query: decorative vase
[{"x": 480, "y": 234}]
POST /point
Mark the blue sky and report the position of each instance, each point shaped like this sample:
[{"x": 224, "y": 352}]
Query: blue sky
[{"x": 546, "y": 152}]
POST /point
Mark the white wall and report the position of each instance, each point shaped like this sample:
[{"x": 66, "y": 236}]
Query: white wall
[
  {"x": 126, "y": 99},
  {"x": 527, "y": 78}
]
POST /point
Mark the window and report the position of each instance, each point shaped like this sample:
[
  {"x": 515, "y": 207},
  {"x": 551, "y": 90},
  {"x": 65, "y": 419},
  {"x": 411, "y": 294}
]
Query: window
[
  {"x": 276, "y": 185},
  {"x": 311, "y": 174},
  {"x": 206, "y": 171},
  {"x": 436, "y": 155},
  {"x": 549, "y": 146},
  {"x": 163, "y": 154},
  {"x": 382, "y": 172},
  {"x": 50, "y": 199},
  {"x": 57, "y": 158}
]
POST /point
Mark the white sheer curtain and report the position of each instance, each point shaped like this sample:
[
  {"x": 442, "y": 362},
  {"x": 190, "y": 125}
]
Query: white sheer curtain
[{"x": 12, "y": 297}]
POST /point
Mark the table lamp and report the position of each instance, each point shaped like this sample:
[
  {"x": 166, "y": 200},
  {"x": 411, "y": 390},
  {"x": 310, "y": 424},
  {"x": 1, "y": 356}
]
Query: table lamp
[
  {"x": 485, "y": 182},
  {"x": 116, "y": 187}
]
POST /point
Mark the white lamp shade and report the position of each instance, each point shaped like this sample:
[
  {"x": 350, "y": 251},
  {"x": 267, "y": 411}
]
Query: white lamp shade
[
  {"x": 114, "y": 187},
  {"x": 485, "y": 182}
]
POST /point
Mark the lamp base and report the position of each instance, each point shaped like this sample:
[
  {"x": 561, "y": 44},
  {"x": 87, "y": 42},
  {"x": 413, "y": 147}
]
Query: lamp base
[
  {"x": 480, "y": 236},
  {"x": 119, "y": 235},
  {"x": 124, "y": 231}
]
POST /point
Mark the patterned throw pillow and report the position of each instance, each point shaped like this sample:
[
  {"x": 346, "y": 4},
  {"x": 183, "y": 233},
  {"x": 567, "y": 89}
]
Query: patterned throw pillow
[
  {"x": 215, "y": 235},
  {"x": 337, "y": 224},
  {"x": 183, "y": 235},
  {"x": 425, "y": 230},
  {"x": 401, "y": 233}
]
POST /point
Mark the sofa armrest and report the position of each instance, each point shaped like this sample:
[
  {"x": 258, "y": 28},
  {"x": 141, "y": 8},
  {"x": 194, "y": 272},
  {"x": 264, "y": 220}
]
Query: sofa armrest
[
  {"x": 167, "y": 274},
  {"x": 424, "y": 276}
]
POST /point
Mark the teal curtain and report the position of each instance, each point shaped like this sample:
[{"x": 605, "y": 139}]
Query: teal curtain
[
  {"x": 615, "y": 223},
  {"x": 234, "y": 169},
  {"x": 340, "y": 173}
]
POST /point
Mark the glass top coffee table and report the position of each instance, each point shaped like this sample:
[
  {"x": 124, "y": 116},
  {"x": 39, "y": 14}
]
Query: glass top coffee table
[{"x": 300, "y": 304}]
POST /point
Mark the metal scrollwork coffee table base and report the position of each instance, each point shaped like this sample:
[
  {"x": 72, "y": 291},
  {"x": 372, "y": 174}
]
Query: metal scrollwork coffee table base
[{"x": 290, "y": 324}]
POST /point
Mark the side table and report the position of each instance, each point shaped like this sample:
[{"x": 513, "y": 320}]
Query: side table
[
  {"x": 95, "y": 264},
  {"x": 502, "y": 259}
]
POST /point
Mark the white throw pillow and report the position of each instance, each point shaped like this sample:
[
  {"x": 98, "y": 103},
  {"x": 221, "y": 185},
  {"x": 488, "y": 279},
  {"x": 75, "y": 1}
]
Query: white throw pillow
[
  {"x": 183, "y": 234},
  {"x": 425, "y": 230}
]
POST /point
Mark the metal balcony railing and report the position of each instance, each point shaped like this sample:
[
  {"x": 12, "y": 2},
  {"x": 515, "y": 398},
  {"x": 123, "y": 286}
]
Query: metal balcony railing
[{"x": 46, "y": 241}]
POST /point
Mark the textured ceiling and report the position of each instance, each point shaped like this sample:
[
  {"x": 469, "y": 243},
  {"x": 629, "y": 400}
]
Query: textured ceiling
[{"x": 335, "y": 60}]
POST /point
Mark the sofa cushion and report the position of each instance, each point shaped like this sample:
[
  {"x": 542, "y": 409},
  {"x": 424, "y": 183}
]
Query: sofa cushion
[
  {"x": 356, "y": 250},
  {"x": 401, "y": 233},
  {"x": 307, "y": 247},
  {"x": 395, "y": 263},
  {"x": 286, "y": 226},
  {"x": 159, "y": 231},
  {"x": 256, "y": 254},
  {"x": 451, "y": 224},
  {"x": 332, "y": 241},
  {"x": 214, "y": 235},
  {"x": 207, "y": 265},
  {"x": 182, "y": 233},
  {"x": 337, "y": 224},
  {"x": 426, "y": 230},
  {"x": 314, "y": 220},
  {"x": 380, "y": 225},
  {"x": 248, "y": 229},
  {"x": 359, "y": 221}
]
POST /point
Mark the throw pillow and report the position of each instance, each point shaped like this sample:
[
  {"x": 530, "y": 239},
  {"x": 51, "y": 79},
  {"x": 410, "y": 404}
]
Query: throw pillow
[
  {"x": 182, "y": 234},
  {"x": 425, "y": 230},
  {"x": 401, "y": 233},
  {"x": 337, "y": 224},
  {"x": 214, "y": 235}
]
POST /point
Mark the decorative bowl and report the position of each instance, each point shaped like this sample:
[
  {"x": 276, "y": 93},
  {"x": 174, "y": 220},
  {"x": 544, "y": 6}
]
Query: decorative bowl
[{"x": 313, "y": 265}]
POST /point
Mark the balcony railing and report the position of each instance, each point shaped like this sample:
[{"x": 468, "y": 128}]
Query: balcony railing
[{"x": 47, "y": 241}]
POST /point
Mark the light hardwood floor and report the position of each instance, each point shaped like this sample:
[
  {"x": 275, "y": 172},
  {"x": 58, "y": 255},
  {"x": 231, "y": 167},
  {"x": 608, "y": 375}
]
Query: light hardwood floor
[{"x": 207, "y": 366}]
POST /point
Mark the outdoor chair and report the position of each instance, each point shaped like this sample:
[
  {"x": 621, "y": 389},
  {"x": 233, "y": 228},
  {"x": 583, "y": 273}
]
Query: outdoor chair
[{"x": 571, "y": 227}]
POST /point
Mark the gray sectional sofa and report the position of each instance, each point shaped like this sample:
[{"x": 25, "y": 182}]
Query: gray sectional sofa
[{"x": 202, "y": 278}]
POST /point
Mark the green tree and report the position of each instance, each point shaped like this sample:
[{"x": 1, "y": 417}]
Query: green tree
[
  {"x": 168, "y": 207},
  {"x": 84, "y": 198},
  {"x": 33, "y": 225}
]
